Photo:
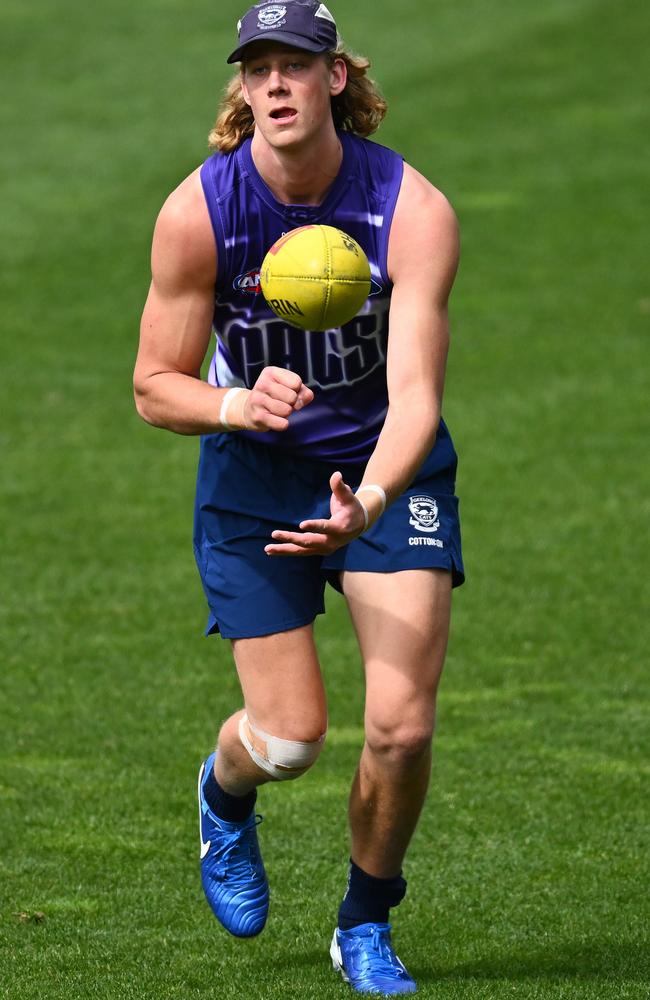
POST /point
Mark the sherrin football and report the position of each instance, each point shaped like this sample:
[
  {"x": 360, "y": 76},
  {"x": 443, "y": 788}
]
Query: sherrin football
[{"x": 315, "y": 277}]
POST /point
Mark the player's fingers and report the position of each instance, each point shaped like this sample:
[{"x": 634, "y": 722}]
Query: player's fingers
[
  {"x": 288, "y": 550},
  {"x": 339, "y": 488},
  {"x": 283, "y": 376},
  {"x": 279, "y": 383},
  {"x": 298, "y": 398},
  {"x": 335, "y": 481},
  {"x": 285, "y": 385},
  {"x": 288, "y": 543},
  {"x": 321, "y": 527},
  {"x": 267, "y": 404},
  {"x": 262, "y": 420},
  {"x": 281, "y": 392},
  {"x": 306, "y": 540},
  {"x": 305, "y": 396}
]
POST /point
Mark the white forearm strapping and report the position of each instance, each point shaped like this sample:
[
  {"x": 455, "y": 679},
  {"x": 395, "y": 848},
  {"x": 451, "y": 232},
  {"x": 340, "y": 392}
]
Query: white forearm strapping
[
  {"x": 380, "y": 493},
  {"x": 225, "y": 403}
]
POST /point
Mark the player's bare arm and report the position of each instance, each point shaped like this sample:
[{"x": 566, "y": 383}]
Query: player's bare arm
[
  {"x": 176, "y": 328},
  {"x": 422, "y": 260}
]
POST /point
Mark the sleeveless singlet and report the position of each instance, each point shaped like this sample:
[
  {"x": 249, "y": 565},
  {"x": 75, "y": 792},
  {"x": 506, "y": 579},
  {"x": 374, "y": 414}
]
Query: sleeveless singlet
[{"x": 345, "y": 367}]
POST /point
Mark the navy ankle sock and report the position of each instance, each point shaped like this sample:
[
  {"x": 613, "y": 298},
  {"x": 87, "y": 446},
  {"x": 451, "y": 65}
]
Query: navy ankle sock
[
  {"x": 232, "y": 808},
  {"x": 368, "y": 898}
]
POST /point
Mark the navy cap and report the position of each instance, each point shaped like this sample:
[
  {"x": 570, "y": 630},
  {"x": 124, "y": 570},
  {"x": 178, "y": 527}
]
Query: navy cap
[{"x": 304, "y": 24}]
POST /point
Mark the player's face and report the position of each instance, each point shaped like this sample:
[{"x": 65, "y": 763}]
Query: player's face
[{"x": 289, "y": 92}]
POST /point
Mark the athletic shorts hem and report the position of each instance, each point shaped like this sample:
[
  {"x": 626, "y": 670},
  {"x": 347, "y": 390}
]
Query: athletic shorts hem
[
  {"x": 449, "y": 565},
  {"x": 214, "y": 628}
]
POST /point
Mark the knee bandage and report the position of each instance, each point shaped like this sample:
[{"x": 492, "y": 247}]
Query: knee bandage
[{"x": 282, "y": 759}]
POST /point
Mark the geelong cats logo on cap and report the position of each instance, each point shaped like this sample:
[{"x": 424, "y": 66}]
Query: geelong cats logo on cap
[{"x": 269, "y": 16}]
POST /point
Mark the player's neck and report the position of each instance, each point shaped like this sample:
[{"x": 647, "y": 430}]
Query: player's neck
[{"x": 299, "y": 176}]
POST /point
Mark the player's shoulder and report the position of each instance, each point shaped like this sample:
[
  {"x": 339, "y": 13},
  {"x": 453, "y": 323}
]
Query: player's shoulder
[
  {"x": 183, "y": 233},
  {"x": 424, "y": 229},
  {"x": 184, "y": 210},
  {"x": 420, "y": 199}
]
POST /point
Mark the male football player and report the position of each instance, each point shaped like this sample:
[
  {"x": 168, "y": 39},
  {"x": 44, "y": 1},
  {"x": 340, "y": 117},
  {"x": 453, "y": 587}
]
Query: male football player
[{"x": 323, "y": 459}]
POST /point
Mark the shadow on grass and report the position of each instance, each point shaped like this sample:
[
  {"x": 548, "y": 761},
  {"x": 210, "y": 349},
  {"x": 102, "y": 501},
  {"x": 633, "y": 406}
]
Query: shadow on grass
[
  {"x": 581, "y": 962},
  {"x": 594, "y": 960},
  {"x": 316, "y": 958}
]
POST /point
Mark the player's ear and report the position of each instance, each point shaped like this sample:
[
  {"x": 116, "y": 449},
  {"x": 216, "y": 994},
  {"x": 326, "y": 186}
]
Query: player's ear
[
  {"x": 338, "y": 77},
  {"x": 244, "y": 89}
]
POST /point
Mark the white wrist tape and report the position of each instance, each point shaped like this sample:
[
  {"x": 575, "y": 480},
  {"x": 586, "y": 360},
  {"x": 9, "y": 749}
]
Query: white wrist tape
[
  {"x": 281, "y": 759},
  {"x": 380, "y": 493},
  {"x": 365, "y": 513},
  {"x": 225, "y": 403}
]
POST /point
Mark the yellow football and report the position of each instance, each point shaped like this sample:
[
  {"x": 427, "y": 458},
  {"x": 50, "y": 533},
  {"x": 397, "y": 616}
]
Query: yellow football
[{"x": 315, "y": 277}]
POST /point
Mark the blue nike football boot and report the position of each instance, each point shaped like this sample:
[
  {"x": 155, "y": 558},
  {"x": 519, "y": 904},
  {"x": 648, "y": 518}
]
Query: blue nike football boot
[
  {"x": 365, "y": 958},
  {"x": 232, "y": 870}
]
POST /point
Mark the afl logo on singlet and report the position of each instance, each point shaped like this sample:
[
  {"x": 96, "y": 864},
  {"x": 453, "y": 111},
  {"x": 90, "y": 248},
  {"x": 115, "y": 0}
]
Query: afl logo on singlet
[
  {"x": 249, "y": 281},
  {"x": 425, "y": 513},
  {"x": 271, "y": 16}
]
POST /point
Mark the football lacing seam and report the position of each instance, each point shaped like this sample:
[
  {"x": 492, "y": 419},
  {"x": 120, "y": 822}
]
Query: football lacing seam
[
  {"x": 328, "y": 285},
  {"x": 309, "y": 277}
]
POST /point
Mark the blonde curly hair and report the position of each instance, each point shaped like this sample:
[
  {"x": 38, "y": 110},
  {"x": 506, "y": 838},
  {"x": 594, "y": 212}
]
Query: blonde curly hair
[{"x": 360, "y": 108}]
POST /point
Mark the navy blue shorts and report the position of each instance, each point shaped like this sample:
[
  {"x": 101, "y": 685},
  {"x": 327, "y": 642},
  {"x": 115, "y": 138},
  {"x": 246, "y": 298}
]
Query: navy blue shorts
[{"x": 246, "y": 490}]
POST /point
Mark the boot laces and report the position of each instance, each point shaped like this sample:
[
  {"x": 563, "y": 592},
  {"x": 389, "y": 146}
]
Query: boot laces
[
  {"x": 236, "y": 852},
  {"x": 382, "y": 958}
]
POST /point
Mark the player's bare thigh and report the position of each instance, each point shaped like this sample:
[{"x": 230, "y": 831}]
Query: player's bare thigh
[
  {"x": 282, "y": 684},
  {"x": 402, "y": 624}
]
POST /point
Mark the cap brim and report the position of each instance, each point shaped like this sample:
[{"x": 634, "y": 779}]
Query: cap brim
[{"x": 296, "y": 41}]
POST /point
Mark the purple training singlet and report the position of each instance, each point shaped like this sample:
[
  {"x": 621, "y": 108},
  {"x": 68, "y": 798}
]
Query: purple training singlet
[{"x": 345, "y": 367}]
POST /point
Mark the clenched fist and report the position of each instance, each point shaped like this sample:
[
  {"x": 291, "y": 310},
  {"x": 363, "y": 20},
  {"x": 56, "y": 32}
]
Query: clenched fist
[{"x": 271, "y": 401}]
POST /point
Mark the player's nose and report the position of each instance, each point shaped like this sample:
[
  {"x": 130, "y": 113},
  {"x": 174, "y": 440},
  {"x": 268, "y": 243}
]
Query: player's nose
[{"x": 277, "y": 83}]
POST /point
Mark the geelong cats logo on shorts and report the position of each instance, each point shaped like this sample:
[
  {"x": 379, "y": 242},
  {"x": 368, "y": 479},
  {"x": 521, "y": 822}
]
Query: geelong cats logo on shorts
[
  {"x": 269, "y": 16},
  {"x": 425, "y": 513}
]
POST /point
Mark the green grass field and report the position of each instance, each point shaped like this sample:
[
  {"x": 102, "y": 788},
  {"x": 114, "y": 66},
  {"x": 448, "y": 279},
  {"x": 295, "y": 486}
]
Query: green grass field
[{"x": 529, "y": 870}]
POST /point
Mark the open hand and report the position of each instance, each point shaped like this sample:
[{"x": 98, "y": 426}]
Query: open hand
[{"x": 320, "y": 537}]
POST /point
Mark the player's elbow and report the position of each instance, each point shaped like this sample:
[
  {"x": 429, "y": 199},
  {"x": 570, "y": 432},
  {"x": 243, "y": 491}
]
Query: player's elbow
[{"x": 143, "y": 402}]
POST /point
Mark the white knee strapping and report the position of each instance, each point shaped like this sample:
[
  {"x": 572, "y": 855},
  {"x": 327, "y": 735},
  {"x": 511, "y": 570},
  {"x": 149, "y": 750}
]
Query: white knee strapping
[{"x": 282, "y": 759}]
